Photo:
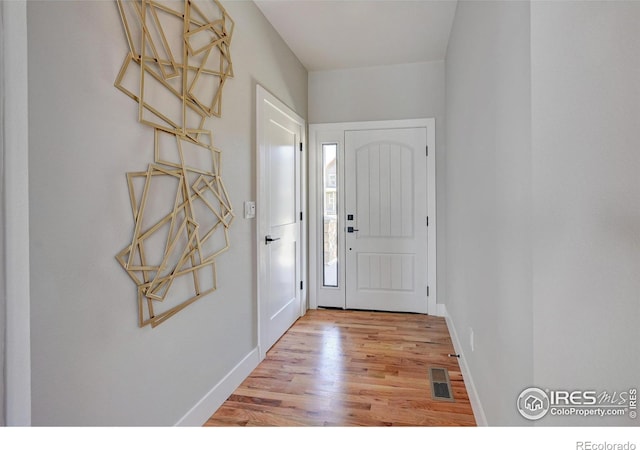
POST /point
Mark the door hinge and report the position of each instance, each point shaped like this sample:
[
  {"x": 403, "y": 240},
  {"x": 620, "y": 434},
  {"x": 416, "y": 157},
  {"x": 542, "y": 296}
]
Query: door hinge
[
  {"x": 300, "y": 215},
  {"x": 300, "y": 146},
  {"x": 427, "y": 150},
  {"x": 427, "y": 291},
  {"x": 301, "y": 285},
  {"x": 427, "y": 220}
]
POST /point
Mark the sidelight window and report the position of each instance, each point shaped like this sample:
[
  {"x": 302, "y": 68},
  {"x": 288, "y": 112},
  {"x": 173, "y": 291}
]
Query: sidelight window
[{"x": 330, "y": 208}]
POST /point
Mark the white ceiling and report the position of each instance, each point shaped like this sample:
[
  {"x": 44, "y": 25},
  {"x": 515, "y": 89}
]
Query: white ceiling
[{"x": 340, "y": 34}]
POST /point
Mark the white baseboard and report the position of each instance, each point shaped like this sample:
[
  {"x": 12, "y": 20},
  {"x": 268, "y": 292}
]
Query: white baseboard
[
  {"x": 478, "y": 412},
  {"x": 202, "y": 410}
]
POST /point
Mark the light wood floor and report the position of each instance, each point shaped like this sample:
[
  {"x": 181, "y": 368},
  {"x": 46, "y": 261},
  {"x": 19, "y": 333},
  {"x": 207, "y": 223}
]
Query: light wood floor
[{"x": 350, "y": 368}]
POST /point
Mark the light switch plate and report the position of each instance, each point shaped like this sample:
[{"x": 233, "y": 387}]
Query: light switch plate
[{"x": 249, "y": 210}]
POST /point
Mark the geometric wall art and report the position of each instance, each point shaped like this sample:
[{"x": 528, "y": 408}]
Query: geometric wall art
[{"x": 177, "y": 64}]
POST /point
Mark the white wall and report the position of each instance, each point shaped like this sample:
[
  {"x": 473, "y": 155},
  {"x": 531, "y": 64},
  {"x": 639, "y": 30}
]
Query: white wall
[
  {"x": 403, "y": 91},
  {"x": 488, "y": 184},
  {"x": 92, "y": 365},
  {"x": 543, "y": 113},
  {"x": 586, "y": 186}
]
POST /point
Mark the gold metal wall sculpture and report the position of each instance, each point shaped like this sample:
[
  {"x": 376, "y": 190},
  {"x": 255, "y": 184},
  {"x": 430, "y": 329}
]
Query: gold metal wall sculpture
[{"x": 177, "y": 65}]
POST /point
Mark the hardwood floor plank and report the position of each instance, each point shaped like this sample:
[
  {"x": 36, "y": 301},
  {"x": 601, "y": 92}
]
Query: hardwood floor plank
[{"x": 351, "y": 368}]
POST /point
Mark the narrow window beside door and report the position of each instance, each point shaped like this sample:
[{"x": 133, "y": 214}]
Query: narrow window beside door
[{"x": 330, "y": 209}]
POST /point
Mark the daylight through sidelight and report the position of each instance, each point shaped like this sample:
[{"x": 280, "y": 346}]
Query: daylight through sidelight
[{"x": 330, "y": 210}]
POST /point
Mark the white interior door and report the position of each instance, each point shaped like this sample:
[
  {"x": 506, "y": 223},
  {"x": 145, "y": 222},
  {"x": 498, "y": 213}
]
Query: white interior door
[
  {"x": 280, "y": 133},
  {"x": 386, "y": 219}
]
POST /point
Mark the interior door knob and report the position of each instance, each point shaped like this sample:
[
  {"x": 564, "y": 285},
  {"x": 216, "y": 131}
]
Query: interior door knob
[{"x": 351, "y": 229}]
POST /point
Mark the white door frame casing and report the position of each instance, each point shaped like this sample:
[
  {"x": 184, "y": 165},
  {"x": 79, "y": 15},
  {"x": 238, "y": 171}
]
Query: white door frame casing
[
  {"x": 263, "y": 97},
  {"x": 15, "y": 226},
  {"x": 334, "y": 133}
]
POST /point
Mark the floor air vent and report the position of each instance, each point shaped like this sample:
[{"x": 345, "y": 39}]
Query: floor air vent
[{"x": 440, "y": 384}]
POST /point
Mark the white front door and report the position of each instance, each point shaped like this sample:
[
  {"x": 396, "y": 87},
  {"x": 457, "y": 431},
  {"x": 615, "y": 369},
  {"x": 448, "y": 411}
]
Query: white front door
[
  {"x": 280, "y": 133},
  {"x": 386, "y": 219}
]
